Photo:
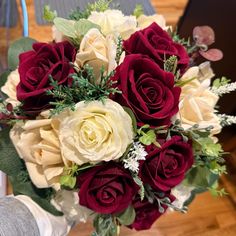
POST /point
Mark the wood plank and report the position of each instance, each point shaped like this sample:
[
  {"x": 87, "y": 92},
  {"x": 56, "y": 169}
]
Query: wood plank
[{"x": 207, "y": 215}]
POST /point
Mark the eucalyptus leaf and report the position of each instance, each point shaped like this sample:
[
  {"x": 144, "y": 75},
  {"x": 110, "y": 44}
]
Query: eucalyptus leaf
[
  {"x": 83, "y": 26},
  {"x": 200, "y": 177},
  {"x": 67, "y": 27},
  {"x": 127, "y": 217},
  {"x": 16, "y": 48},
  {"x": 10, "y": 163},
  {"x": 3, "y": 77}
]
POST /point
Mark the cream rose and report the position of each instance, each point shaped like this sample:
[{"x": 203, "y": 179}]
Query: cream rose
[
  {"x": 94, "y": 132},
  {"x": 114, "y": 22},
  {"x": 97, "y": 51},
  {"x": 10, "y": 87},
  {"x": 144, "y": 21},
  {"x": 197, "y": 102},
  {"x": 38, "y": 145}
]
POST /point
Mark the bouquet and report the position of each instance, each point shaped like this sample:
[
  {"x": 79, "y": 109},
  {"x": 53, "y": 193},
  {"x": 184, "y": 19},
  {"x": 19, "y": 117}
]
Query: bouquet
[{"x": 113, "y": 121}]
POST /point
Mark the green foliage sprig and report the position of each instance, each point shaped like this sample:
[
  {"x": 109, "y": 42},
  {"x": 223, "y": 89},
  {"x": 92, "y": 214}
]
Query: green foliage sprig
[
  {"x": 49, "y": 14},
  {"x": 217, "y": 83},
  {"x": 170, "y": 65},
  {"x": 186, "y": 43},
  {"x": 99, "y": 6},
  {"x": 208, "y": 155},
  {"x": 84, "y": 88},
  {"x": 161, "y": 200},
  {"x": 147, "y": 136},
  {"x": 119, "y": 49},
  {"x": 105, "y": 225},
  {"x": 138, "y": 11},
  {"x": 68, "y": 179}
]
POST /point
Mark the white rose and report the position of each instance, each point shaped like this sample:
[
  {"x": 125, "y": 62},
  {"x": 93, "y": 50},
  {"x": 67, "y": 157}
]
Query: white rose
[
  {"x": 197, "y": 102},
  {"x": 97, "y": 51},
  {"x": 68, "y": 203},
  {"x": 38, "y": 145},
  {"x": 9, "y": 88},
  {"x": 144, "y": 21},
  {"x": 95, "y": 132},
  {"x": 114, "y": 22}
]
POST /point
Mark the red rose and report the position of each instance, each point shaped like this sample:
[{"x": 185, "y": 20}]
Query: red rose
[
  {"x": 157, "y": 44},
  {"x": 147, "y": 89},
  {"x": 35, "y": 67},
  {"x": 165, "y": 167},
  {"x": 147, "y": 213},
  {"x": 107, "y": 188}
]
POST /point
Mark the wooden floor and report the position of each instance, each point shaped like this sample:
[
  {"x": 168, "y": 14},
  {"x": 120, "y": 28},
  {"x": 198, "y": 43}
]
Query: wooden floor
[{"x": 207, "y": 216}]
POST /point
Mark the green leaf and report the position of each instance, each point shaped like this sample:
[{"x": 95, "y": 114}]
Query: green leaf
[
  {"x": 3, "y": 78},
  {"x": 138, "y": 11},
  {"x": 10, "y": 163},
  {"x": 83, "y": 26},
  {"x": 148, "y": 138},
  {"x": 48, "y": 14},
  {"x": 66, "y": 27},
  {"x": 200, "y": 177},
  {"x": 16, "y": 48},
  {"x": 139, "y": 182},
  {"x": 99, "y": 6},
  {"x": 217, "y": 83},
  {"x": 38, "y": 195},
  {"x": 68, "y": 181},
  {"x": 132, "y": 116},
  {"x": 127, "y": 217},
  {"x": 105, "y": 226}
]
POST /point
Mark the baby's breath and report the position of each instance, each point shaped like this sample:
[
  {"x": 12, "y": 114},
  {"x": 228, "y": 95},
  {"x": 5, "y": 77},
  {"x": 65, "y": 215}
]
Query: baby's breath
[{"x": 135, "y": 154}]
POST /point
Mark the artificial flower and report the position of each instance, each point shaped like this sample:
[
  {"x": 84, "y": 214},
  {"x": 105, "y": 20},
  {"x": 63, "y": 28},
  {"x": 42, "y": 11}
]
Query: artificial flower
[
  {"x": 36, "y": 66},
  {"x": 147, "y": 213},
  {"x": 147, "y": 89},
  {"x": 37, "y": 143},
  {"x": 107, "y": 188},
  {"x": 97, "y": 51},
  {"x": 9, "y": 88},
  {"x": 114, "y": 22},
  {"x": 165, "y": 167},
  {"x": 154, "y": 42},
  {"x": 96, "y": 131},
  {"x": 197, "y": 102}
]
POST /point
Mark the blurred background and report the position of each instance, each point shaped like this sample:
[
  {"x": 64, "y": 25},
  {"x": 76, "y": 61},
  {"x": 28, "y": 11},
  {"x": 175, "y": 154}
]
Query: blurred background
[{"x": 207, "y": 216}]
